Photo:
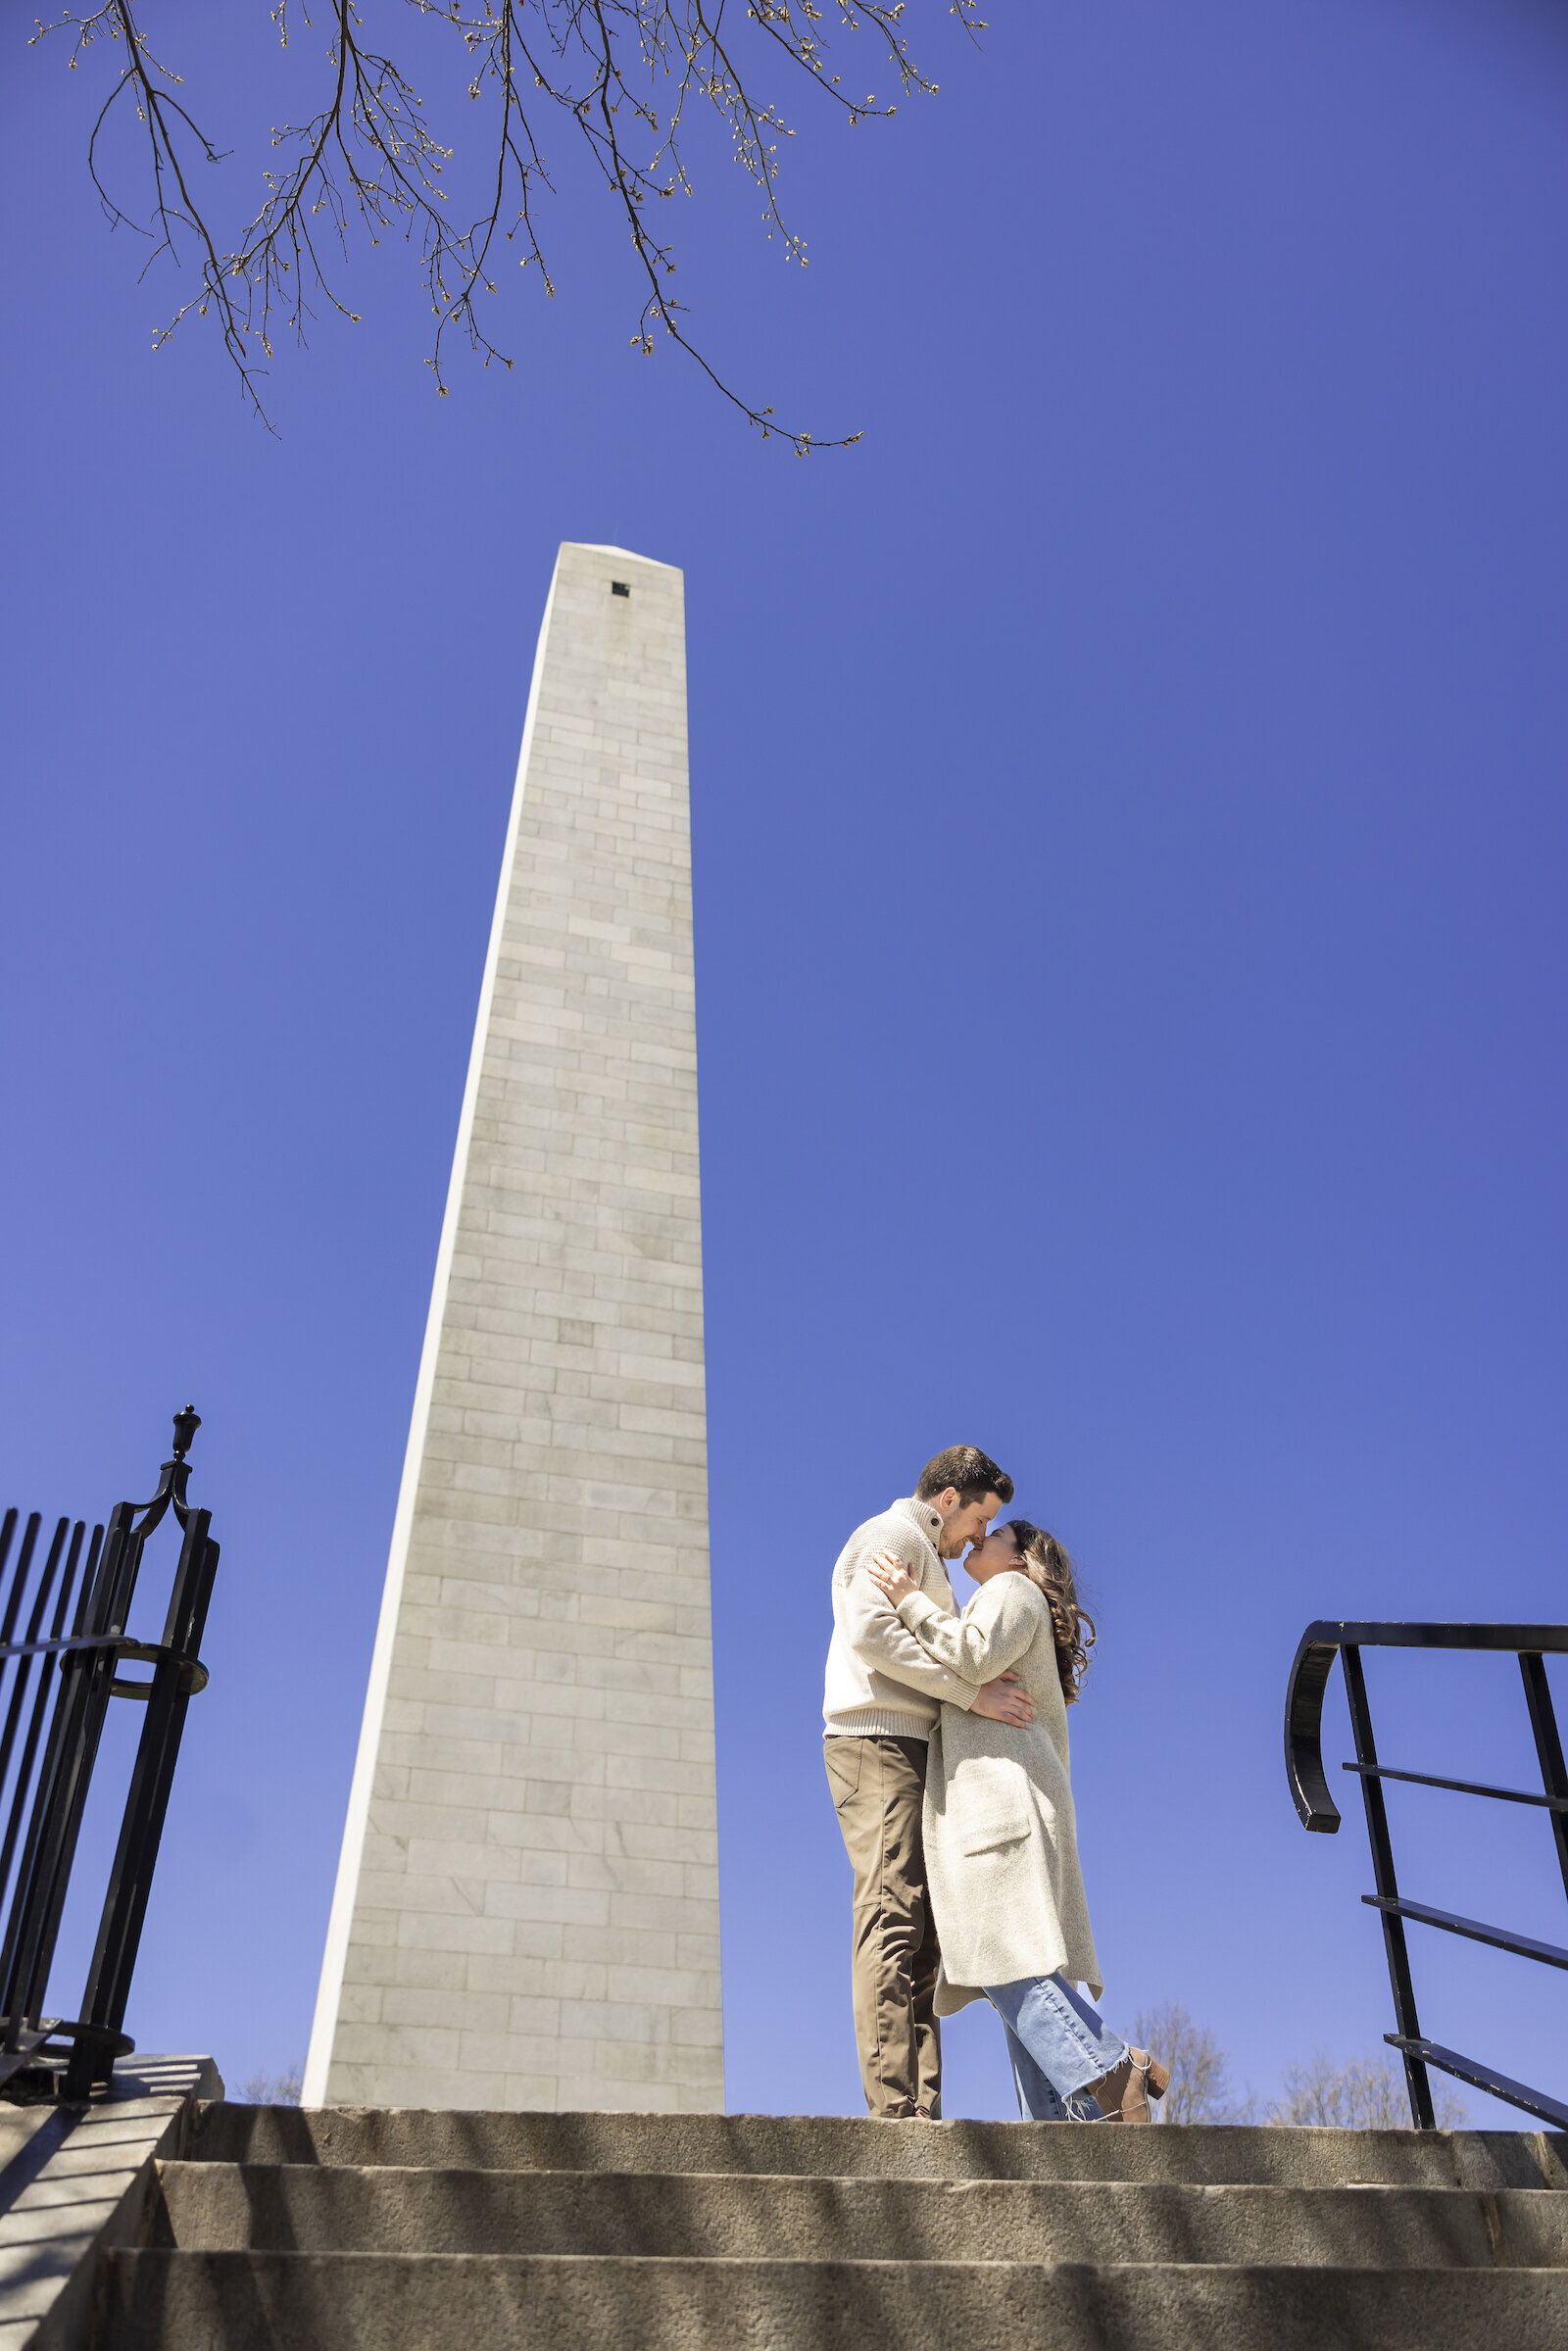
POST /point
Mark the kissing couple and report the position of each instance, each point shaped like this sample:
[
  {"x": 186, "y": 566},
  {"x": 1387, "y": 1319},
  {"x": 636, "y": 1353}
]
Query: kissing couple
[{"x": 945, "y": 1747}]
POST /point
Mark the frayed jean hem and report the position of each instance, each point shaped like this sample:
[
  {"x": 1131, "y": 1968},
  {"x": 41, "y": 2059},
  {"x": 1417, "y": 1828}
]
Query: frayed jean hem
[{"x": 1057, "y": 2044}]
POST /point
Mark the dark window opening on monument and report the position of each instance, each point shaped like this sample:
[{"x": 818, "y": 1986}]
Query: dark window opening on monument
[{"x": 619, "y": 587}]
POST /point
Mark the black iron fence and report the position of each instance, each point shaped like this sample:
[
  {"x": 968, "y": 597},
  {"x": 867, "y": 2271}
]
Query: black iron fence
[
  {"x": 1531, "y": 1645},
  {"x": 63, "y": 1643}
]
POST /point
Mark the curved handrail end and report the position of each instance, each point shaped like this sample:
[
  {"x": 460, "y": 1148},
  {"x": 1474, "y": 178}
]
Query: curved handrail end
[{"x": 1311, "y": 1669}]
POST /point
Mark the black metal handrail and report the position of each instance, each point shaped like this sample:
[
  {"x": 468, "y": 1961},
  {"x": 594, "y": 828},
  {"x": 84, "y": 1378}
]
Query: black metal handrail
[
  {"x": 1314, "y": 1663},
  {"x": 45, "y": 1785}
]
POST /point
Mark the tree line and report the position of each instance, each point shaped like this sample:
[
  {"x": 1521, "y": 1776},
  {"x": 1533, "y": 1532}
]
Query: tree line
[{"x": 1363, "y": 2093}]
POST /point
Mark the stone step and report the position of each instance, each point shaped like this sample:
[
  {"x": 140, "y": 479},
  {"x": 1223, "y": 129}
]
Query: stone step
[
  {"x": 853, "y": 2147},
  {"x": 170, "y": 2301},
  {"x": 207, "y": 2207}
]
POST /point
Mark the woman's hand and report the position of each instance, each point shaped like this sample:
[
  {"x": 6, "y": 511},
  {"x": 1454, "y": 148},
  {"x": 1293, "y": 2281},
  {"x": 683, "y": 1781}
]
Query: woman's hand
[{"x": 891, "y": 1577}]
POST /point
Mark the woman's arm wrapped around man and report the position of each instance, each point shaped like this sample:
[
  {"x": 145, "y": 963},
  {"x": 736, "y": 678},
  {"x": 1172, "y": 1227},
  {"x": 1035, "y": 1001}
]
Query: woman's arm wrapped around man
[{"x": 1000, "y": 1624}]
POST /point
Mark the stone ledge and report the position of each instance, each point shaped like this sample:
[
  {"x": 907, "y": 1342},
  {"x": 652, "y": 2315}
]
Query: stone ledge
[{"x": 74, "y": 2182}]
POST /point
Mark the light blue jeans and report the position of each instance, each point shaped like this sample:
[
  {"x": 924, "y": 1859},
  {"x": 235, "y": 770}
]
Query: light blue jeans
[{"x": 1057, "y": 2044}]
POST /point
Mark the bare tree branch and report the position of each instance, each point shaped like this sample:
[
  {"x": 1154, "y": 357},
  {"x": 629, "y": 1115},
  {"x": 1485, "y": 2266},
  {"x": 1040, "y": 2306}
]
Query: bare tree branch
[{"x": 619, "y": 72}]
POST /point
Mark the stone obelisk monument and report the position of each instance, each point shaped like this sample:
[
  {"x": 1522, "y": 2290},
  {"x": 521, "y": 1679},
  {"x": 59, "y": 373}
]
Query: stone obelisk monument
[{"x": 526, "y": 1911}]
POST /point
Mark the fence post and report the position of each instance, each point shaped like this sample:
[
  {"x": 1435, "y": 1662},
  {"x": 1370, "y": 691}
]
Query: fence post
[
  {"x": 79, "y": 1674},
  {"x": 141, "y": 1829},
  {"x": 1387, "y": 1883}
]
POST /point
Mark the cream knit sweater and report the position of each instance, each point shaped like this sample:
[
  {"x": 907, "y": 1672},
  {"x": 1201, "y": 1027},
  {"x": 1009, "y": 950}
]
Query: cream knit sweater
[{"x": 881, "y": 1681}]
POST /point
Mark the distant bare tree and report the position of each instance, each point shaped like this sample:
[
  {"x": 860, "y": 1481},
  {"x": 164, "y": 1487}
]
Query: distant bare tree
[
  {"x": 1200, "y": 2091},
  {"x": 616, "y": 74},
  {"x": 1364, "y": 2094},
  {"x": 275, "y": 2089}
]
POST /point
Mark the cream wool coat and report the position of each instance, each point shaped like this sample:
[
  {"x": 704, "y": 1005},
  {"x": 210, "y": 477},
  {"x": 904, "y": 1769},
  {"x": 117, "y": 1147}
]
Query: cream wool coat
[{"x": 1000, "y": 1835}]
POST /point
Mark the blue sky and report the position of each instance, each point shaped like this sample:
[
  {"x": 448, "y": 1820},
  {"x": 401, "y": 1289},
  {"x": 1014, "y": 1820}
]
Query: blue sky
[{"x": 1129, "y": 862}]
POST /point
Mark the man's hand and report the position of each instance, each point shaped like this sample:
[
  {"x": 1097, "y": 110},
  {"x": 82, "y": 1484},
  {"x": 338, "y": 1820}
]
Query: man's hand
[{"x": 1005, "y": 1700}]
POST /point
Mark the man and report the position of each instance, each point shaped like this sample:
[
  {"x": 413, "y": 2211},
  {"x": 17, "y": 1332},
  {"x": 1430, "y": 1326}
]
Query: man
[{"x": 880, "y": 1705}]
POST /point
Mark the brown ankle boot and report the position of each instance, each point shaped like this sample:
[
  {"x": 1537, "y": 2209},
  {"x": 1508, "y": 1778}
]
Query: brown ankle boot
[{"x": 1123, "y": 2095}]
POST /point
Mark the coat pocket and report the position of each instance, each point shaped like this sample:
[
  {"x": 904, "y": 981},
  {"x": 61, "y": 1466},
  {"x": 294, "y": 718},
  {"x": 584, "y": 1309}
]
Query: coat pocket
[{"x": 990, "y": 1835}]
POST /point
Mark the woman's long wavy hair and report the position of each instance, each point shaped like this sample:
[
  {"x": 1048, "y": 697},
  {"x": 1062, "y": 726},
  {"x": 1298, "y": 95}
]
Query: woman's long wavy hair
[{"x": 1048, "y": 1568}]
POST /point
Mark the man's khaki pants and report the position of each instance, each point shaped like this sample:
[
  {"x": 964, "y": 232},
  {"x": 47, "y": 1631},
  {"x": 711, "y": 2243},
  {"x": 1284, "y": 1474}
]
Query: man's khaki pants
[{"x": 878, "y": 1786}]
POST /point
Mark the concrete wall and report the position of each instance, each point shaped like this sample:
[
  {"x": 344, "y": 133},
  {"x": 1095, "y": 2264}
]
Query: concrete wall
[{"x": 527, "y": 1906}]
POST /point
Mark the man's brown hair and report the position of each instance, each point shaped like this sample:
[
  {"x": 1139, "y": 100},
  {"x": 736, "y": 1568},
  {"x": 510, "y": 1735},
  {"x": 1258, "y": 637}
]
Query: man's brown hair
[{"x": 964, "y": 1467}]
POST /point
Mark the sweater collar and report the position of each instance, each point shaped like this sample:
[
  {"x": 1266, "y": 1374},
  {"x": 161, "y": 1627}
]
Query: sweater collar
[{"x": 920, "y": 1514}]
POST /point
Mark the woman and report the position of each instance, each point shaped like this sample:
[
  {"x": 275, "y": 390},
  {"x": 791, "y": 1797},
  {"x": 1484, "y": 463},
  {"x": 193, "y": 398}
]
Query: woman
[{"x": 1001, "y": 1845}]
